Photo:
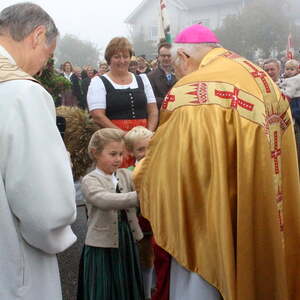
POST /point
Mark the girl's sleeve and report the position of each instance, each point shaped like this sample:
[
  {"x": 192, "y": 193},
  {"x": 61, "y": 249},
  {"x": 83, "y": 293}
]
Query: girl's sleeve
[{"x": 104, "y": 199}]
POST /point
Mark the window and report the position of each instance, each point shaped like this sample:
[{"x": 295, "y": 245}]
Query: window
[{"x": 153, "y": 33}]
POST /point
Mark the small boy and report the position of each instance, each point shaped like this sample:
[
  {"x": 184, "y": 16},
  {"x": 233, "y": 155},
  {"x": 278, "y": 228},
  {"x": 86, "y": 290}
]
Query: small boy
[
  {"x": 137, "y": 141},
  {"x": 291, "y": 87}
]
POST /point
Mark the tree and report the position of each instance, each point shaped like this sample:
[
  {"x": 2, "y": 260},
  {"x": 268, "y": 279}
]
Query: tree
[
  {"x": 142, "y": 46},
  {"x": 261, "y": 27},
  {"x": 78, "y": 52},
  {"x": 53, "y": 82}
]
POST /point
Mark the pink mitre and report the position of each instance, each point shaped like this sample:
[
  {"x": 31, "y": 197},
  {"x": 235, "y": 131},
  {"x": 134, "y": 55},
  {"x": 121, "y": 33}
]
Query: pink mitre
[{"x": 196, "y": 34}]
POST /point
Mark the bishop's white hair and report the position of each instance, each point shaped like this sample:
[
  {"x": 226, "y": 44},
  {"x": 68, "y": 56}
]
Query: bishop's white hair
[{"x": 191, "y": 49}]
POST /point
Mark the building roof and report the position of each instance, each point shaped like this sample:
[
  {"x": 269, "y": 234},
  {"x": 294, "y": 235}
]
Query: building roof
[
  {"x": 177, "y": 3},
  {"x": 180, "y": 4},
  {"x": 129, "y": 19}
]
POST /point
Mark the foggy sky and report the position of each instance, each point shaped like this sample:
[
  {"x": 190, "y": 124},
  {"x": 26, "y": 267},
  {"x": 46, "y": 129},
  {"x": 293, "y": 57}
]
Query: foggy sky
[{"x": 93, "y": 20}]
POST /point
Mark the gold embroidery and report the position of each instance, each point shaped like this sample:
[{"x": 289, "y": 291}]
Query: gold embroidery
[
  {"x": 272, "y": 113},
  {"x": 219, "y": 93}
]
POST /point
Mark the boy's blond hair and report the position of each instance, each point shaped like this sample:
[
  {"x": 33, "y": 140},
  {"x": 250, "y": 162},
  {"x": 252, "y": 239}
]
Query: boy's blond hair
[
  {"x": 102, "y": 137},
  {"x": 292, "y": 63},
  {"x": 135, "y": 134}
]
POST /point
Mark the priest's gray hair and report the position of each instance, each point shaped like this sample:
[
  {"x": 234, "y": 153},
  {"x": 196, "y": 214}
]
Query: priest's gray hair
[
  {"x": 21, "y": 19},
  {"x": 192, "y": 49}
]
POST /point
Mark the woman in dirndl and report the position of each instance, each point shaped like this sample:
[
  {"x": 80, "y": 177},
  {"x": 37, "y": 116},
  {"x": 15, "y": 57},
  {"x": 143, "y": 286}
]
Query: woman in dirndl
[{"x": 119, "y": 98}]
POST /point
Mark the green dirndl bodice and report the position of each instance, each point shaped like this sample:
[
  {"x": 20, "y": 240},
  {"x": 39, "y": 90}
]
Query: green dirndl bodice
[{"x": 112, "y": 273}]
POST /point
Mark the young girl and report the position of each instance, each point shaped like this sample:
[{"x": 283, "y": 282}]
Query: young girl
[{"x": 110, "y": 262}]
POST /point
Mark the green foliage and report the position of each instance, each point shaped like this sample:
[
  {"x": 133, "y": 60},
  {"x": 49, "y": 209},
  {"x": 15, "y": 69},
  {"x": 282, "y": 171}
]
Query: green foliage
[
  {"x": 78, "y": 52},
  {"x": 53, "y": 82},
  {"x": 263, "y": 25}
]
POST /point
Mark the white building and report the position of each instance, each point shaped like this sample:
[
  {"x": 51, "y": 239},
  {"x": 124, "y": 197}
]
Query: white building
[{"x": 182, "y": 13}]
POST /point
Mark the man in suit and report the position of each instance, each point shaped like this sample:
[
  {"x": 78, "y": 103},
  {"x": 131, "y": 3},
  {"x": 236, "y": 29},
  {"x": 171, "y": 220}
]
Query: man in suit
[{"x": 162, "y": 78}]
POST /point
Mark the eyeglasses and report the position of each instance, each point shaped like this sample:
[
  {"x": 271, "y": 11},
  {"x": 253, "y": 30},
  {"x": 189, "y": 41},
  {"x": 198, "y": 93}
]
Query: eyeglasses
[{"x": 165, "y": 55}]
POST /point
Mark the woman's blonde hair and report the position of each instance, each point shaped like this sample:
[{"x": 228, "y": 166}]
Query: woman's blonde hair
[
  {"x": 102, "y": 137},
  {"x": 292, "y": 63},
  {"x": 135, "y": 134}
]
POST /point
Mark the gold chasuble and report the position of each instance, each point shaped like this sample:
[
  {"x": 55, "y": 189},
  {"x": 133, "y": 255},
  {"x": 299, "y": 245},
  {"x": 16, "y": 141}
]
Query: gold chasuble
[
  {"x": 220, "y": 182},
  {"x": 9, "y": 71}
]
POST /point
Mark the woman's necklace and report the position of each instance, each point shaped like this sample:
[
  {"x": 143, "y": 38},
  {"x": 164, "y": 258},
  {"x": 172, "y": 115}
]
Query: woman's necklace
[{"x": 126, "y": 79}]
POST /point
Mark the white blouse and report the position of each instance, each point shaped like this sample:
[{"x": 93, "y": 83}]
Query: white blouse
[
  {"x": 96, "y": 96},
  {"x": 68, "y": 76}
]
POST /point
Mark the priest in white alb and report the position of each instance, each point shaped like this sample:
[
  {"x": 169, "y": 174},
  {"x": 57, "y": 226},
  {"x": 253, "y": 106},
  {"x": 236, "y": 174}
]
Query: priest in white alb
[{"x": 37, "y": 198}]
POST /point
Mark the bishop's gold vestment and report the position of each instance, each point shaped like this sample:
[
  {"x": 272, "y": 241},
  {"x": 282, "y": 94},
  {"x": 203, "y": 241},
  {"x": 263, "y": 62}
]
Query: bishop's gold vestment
[{"x": 220, "y": 181}]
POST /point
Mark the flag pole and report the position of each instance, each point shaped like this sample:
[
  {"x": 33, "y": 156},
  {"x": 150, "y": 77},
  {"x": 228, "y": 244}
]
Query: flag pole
[{"x": 165, "y": 31}]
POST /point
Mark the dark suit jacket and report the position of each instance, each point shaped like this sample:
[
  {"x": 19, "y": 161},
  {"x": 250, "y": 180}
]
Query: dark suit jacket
[
  {"x": 85, "y": 83},
  {"x": 160, "y": 84},
  {"x": 76, "y": 89}
]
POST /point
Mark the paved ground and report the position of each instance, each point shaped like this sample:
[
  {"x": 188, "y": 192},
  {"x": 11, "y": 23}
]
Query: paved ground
[{"x": 69, "y": 260}]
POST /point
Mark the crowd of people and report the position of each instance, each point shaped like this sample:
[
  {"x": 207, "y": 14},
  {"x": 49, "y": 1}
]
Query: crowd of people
[
  {"x": 80, "y": 77},
  {"x": 193, "y": 189}
]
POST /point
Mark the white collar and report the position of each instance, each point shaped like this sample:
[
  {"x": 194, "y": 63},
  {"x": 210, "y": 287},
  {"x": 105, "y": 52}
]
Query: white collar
[
  {"x": 112, "y": 177},
  {"x": 5, "y": 53},
  {"x": 103, "y": 173},
  {"x": 68, "y": 76}
]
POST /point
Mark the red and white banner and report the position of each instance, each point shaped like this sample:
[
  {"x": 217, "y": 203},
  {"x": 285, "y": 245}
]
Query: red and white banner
[
  {"x": 164, "y": 26},
  {"x": 290, "y": 50}
]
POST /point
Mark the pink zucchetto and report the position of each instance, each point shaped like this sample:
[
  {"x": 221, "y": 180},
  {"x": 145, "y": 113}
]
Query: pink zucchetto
[{"x": 196, "y": 34}]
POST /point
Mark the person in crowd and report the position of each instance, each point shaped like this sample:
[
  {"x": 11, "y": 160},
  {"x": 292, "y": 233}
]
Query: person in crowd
[
  {"x": 154, "y": 64},
  {"x": 103, "y": 68},
  {"x": 83, "y": 73},
  {"x": 133, "y": 65},
  {"x": 272, "y": 67},
  {"x": 37, "y": 197},
  {"x": 67, "y": 70},
  {"x": 120, "y": 99},
  {"x": 162, "y": 78},
  {"x": 136, "y": 141},
  {"x": 85, "y": 83},
  {"x": 291, "y": 68},
  {"x": 143, "y": 67},
  {"x": 76, "y": 86},
  {"x": 67, "y": 97},
  {"x": 219, "y": 182},
  {"x": 111, "y": 269},
  {"x": 290, "y": 86}
]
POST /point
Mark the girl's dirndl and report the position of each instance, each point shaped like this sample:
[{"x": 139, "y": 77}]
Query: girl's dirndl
[{"x": 112, "y": 273}]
